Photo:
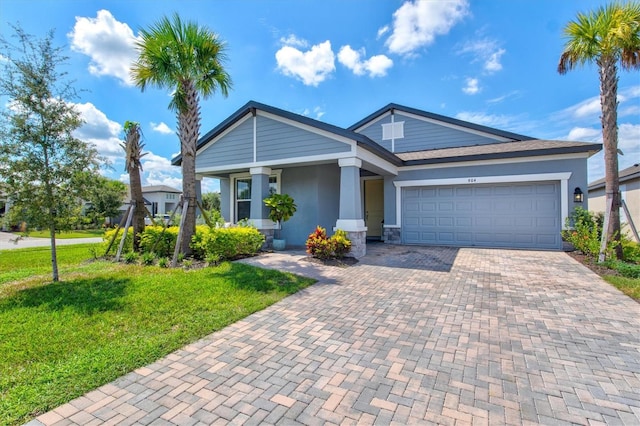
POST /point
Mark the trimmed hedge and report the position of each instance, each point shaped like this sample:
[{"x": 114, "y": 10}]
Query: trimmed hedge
[
  {"x": 226, "y": 243},
  {"x": 207, "y": 243}
]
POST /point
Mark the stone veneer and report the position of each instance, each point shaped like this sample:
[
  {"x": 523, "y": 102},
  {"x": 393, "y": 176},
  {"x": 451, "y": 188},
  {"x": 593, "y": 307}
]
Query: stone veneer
[
  {"x": 358, "y": 243},
  {"x": 391, "y": 235},
  {"x": 268, "y": 238}
]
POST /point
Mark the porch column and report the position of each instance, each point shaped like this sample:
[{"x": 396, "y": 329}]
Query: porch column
[
  {"x": 259, "y": 212},
  {"x": 350, "y": 217},
  {"x": 198, "y": 193},
  {"x": 226, "y": 195}
]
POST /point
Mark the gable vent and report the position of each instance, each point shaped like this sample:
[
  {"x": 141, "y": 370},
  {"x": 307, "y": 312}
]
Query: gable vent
[{"x": 391, "y": 131}]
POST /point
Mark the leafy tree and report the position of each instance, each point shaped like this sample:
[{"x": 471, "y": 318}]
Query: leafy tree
[
  {"x": 211, "y": 201},
  {"x": 133, "y": 153},
  {"x": 187, "y": 59},
  {"x": 607, "y": 36},
  {"x": 106, "y": 197},
  {"x": 41, "y": 163}
]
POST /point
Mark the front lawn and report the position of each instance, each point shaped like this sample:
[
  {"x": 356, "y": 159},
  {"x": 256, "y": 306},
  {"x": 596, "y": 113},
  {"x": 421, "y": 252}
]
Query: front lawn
[
  {"x": 81, "y": 233},
  {"x": 60, "y": 340}
]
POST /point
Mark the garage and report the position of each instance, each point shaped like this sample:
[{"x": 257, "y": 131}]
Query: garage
[{"x": 510, "y": 215}]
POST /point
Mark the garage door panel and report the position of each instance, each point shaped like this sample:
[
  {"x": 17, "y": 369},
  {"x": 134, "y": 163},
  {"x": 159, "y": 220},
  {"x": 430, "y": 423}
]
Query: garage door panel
[{"x": 525, "y": 215}]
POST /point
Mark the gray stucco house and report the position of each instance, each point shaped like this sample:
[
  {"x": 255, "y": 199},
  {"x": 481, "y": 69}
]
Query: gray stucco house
[{"x": 402, "y": 175}]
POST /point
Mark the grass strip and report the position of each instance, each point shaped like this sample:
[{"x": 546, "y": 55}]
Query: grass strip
[{"x": 61, "y": 340}]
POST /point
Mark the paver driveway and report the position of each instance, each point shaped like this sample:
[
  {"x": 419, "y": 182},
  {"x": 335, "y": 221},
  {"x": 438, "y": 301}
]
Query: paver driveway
[{"x": 408, "y": 335}]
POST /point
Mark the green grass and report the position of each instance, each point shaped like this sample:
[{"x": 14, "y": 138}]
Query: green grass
[
  {"x": 86, "y": 233},
  {"x": 61, "y": 340},
  {"x": 629, "y": 286},
  {"x": 29, "y": 262}
]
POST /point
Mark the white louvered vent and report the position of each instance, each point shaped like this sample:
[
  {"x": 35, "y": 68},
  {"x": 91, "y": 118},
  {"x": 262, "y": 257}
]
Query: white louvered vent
[{"x": 391, "y": 131}]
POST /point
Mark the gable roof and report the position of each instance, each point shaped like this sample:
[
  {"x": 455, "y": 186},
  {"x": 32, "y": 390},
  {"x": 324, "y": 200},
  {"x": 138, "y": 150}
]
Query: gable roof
[
  {"x": 251, "y": 106},
  {"x": 160, "y": 188},
  {"x": 517, "y": 145},
  {"x": 625, "y": 175},
  {"x": 449, "y": 120},
  {"x": 497, "y": 150}
]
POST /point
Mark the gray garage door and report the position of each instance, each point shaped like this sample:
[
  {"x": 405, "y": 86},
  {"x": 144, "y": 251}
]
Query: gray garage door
[{"x": 519, "y": 215}]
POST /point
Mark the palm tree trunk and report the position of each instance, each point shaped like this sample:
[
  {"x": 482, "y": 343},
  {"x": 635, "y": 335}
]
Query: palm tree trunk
[
  {"x": 138, "y": 200},
  {"x": 608, "y": 99},
  {"x": 189, "y": 130}
]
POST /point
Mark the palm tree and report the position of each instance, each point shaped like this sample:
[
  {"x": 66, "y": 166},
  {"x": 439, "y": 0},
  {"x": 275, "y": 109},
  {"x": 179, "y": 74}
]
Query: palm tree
[
  {"x": 133, "y": 153},
  {"x": 187, "y": 59},
  {"x": 607, "y": 36}
]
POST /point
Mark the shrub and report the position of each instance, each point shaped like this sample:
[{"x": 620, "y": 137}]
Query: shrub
[
  {"x": 631, "y": 251},
  {"x": 131, "y": 257},
  {"x": 148, "y": 258},
  {"x": 164, "y": 262},
  {"x": 159, "y": 240},
  {"x": 628, "y": 270},
  {"x": 226, "y": 243},
  {"x": 323, "y": 247},
  {"x": 586, "y": 232},
  {"x": 341, "y": 244},
  {"x": 319, "y": 245},
  {"x": 128, "y": 242}
]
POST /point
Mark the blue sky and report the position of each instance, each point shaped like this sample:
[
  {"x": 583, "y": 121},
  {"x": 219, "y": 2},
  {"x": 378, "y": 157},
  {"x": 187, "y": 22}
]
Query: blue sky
[{"x": 488, "y": 62}]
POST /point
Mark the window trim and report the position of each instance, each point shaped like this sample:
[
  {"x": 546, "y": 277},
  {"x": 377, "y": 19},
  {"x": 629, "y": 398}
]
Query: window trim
[{"x": 277, "y": 173}]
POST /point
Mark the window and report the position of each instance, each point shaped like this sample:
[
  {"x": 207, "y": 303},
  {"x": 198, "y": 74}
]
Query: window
[
  {"x": 243, "y": 199},
  {"x": 242, "y": 193}
]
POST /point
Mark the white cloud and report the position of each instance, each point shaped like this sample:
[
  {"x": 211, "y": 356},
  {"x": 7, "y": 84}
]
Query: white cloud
[
  {"x": 317, "y": 112},
  {"x": 472, "y": 86},
  {"x": 161, "y": 128},
  {"x": 591, "y": 109},
  {"x": 376, "y": 66},
  {"x": 486, "y": 51},
  {"x": 311, "y": 67},
  {"x": 490, "y": 120},
  {"x": 100, "y": 131},
  {"x": 292, "y": 40},
  {"x": 382, "y": 31},
  {"x": 417, "y": 23},
  {"x": 584, "y": 134},
  {"x": 158, "y": 170},
  {"x": 109, "y": 43}
]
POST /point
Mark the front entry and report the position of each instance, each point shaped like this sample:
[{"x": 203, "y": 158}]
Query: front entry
[{"x": 374, "y": 207}]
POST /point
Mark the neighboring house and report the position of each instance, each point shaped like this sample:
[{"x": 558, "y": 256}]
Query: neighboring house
[
  {"x": 158, "y": 199},
  {"x": 163, "y": 198},
  {"x": 401, "y": 175},
  {"x": 629, "y": 189}
]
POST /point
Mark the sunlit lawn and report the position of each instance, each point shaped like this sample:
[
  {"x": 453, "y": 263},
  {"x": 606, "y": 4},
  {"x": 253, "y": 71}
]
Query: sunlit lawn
[
  {"x": 629, "y": 286},
  {"x": 60, "y": 340},
  {"x": 84, "y": 233}
]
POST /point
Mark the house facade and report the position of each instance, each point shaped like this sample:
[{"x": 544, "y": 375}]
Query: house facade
[
  {"x": 629, "y": 190},
  {"x": 402, "y": 175}
]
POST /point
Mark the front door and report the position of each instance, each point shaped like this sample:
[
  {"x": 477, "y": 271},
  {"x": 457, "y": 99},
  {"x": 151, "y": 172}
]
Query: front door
[{"x": 374, "y": 207}]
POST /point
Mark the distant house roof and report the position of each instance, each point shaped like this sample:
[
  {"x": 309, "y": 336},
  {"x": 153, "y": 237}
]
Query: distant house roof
[
  {"x": 497, "y": 150},
  {"x": 442, "y": 118},
  {"x": 160, "y": 188},
  {"x": 625, "y": 175}
]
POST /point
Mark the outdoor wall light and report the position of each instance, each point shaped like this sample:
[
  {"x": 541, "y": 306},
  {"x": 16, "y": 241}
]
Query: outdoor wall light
[{"x": 578, "y": 196}]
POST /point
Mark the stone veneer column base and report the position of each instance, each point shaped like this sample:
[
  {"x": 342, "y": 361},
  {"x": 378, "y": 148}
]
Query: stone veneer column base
[
  {"x": 268, "y": 238},
  {"x": 391, "y": 235},
  {"x": 358, "y": 243}
]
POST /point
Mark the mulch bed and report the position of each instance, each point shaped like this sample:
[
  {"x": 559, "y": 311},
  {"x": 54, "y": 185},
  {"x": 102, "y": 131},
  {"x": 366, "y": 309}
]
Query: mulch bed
[
  {"x": 345, "y": 262},
  {"x": 591, "y": 264}
]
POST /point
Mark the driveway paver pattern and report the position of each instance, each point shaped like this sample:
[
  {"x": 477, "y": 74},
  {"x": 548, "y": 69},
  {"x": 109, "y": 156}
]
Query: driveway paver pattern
[{"x": 409, "y": 335}]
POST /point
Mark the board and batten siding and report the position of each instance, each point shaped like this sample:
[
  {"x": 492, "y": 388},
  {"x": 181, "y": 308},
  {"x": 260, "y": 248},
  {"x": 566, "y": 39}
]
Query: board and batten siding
[
  {"x": 420, "y": 135},
  {"x": 275, "y": 141},
  {"x": 236, "y": 147},
  {"x": 278, "y": 140}
]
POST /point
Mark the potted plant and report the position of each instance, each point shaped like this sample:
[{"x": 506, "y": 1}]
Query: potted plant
[{"x": 281, "y": 208}]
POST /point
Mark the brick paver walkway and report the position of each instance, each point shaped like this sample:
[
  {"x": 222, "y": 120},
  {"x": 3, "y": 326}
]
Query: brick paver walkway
[{"x": 408, "y": 336}]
